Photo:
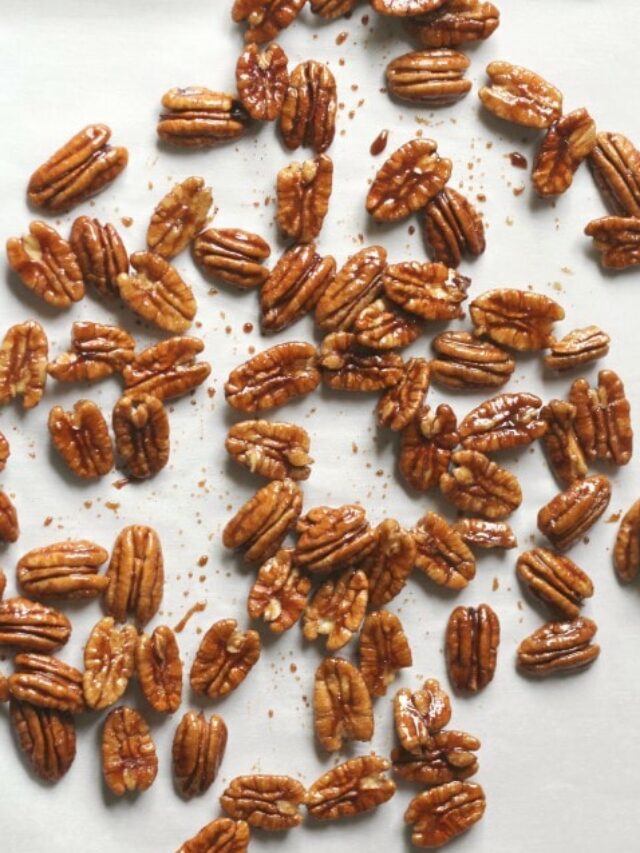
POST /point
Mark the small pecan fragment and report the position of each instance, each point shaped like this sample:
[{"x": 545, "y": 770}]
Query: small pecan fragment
[
  {"x": 265, "y": 18},
  {"x": 196, "y": 117},
  {"x": 407, "y": 180},
  {"x": 441, "y": 814},
  {"x": 342, "y": 705},
  {"x": 486, "y": 534},
  {"x": 267, "y": 802},
  {"x": 141, "y": 428},
  {"x": 80, "y": 169},
  {"x": 157, "y": 293},
  {"x": 82, "y": 438},
  {"x": 108, "y": 662},
  {"x": 47, "y": 682},
  {"x": 224, "y": 659},
  {"x": 626, "y": 552},
  {"x": 615, "y": 166},
  {"x": 448, "y": 756},
  {"x": 129, "y": 760},
  {"x": 381, "y": 326},
  {"x": 272, "y": 450},
  {"x": 479, "y": 486},
  {"x": 294, "y": 286},
  {"x": 555, "y": 580},
  {"x": 518, "y": 319},
  {"x": 262, "y": 77},
  {"x": 356, "y": 285},
  {"x": 159, "y": 669},
  {"x": 197, "y": 752},
  {"x": 96, "y": 351},
  {"x": 521, "y": 96},
  {"x": 260, "y": 525},
  {"x": 31, "y": 626},
  {"x": 303, "y": 191},
  {"x": 564, "y": 452},
  {"x": 472, "y": 639},
  {"x": 279, "y": 594},
  {"x": 356, "y": 786},
  {"x": 273, "y": 377},
  {"x": 566, "y": 144},
  {"x": 399, "y": 405},
  {"x": 232, "y": 255},
  {"x": 466, "y": 362},
  {"x": 332, "y": 538},
  {"x": 167, "y": 369},
  {"x": 572, "y": 513},
  {"x": 503, "y": 422},
  {"x": 9, "y": 527},
  {"x": 442, "y": 553},
  {"x": 337, "y": 609},
  {"x": 136, "y": 575},
  {"x": 618, "y": 240},
  {"x": 346, "y": 366},
  {"x": 603, "y": 418},
  {"x": 46, "y": 265},
  {"x": 100, "y": 253},
  {"x": 432, "y": 291},
  {"x": 426, "y": 445},
  {"x": 330, "y": 9},
  {"x": 453, "y": 228},
  {"x": 383, "y": 650},
  {"x": 178, "y": 217},
  {"x": 47, "y": 738},
  {"x": 433, "y": 77},
  {"x": 390, "y": 564},
  {"x": 66, "y": 570},
  {"x": 559, "y": 647},
  {"x": 420, "y": 714},
  {"x": 582, "y": 346},
  {"x": 308, "y": 115},
  {"x": 222, "y": 835},
  {"x": 457, "y": 22},
  {"x": 5, "y": 451}
]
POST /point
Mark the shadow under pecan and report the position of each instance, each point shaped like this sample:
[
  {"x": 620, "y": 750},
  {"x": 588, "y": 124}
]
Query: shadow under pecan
[
  {"x": 265, "y": 18},
  {"x": 156, "y": 292},
  {"x": 159, "y": 669},
  {"x": 100, "y": 253},
  {"x": 559, "y": 647},
  {"x": 566, "y": 144},
  {"x": 108, "y": 662},
  {"x": 224, "y": 658},
  {"x": 555, "y": 580},
  {"x": 332, "y": 538},
  {"x": 341, "y": 703},
  {"x": 603, "y": 418},
  {"x": 141, "y": 428},
  {"x": 457, "y": 22},
  {"x": 464, "y": 361},
  {"x": 441, "y": 814},
  {"x": 129, "y": 760},
  {"x": 232, "y": 255},
  {"x": 264, "y": 801},
  {"x": 390, "y": 563},
  {"x": 294, "y": 286},
  {"x": 356, "y": 285},
  {"x": 23, "y": 364},
  {"x": 519, "y": 319},
  {"x": 303, "y": 191},
  {"x": 47, "y": 682},
  {"x": 383, "y": 649},
  {"x": 572, "y": 513},
  {"x": 32, "y": 627},
  {"x": 433, "y": 77},
  {"x": 271, "y": 449},
  {"x": 448, "y": 756},
  {"x": 96, "y": 351},
  {"x": 353, "y": 787},
  {"x": 273, "y": 377},
  {"x": 453, "y": 228},
  {"x": 615, "y": 166},
  {"x": 477, "y": 485},
  {"x": 262, "y": 77},
  {"x": 520, "y": 96},
  {"x": 472, "y": 639},
  {"x": 380, "y": 326},
  {"x": 66, "y": 570},
  {"x": 502, "y": 423},
  {"x": 617, "y": 238},
  {"x": 486, "y": 534},
  {"x": 46, "y": 737},
  {"x": 430, "y": 291},
  {"x": 178, "y": 217},
  {"x": 82, "y": 438},
  {"x": 222, "y": 835},
  {"x": 197, "y": 117},
  {"x": 581, "y": 346},
  {"x": 399, "y": 405},
  {"x": 626, "y": 551},
  {"x": 565, "y": 455},
  {"x": 442, "y": 553},
  {"x": 9, "y": 527},
  {"x": 308, "y": 115},
  {"x": 346, "y": 366},
  {"x": 426, "y": 445},
  {"x": 197, "y": 752},
  {"x": 167, "y": 369},
  {"x": 419, "y": 715},
  {"x": 337, "y": 608},
  {"x": 136, "y": 575},
  {"x": 279, "y": 593},
  {"x": 261, "y": 524}
]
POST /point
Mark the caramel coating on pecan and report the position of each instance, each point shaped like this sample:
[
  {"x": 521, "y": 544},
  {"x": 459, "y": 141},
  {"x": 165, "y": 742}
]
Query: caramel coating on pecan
[
  {"x": 390, "y": 563},
  {"x": 141, "y": 428},
  {"x": 5, "y": 451},
  {"x": 100, "y": 253},
  {"x": 431, "y": 291},
  {"x": 457, "y": 22},
  {"x": 581, "y": 346},
  {"x": 564, "y": 452},
  {"x": 265, "y": 801},
  {"x": 426, "y": 445},
  {"x": 232, "y": 255},
  {"x": 32, "y": 627},
  {"x": 303, "y": 191},
  {"x": 9, "y": 527},
  {"x": 448, "y": 756},
  {"x": 383, "y": 649},
  {"x": 96, "y": 351},
  {"x": 273, "y": 377},
  {"x": 572, "y": 513},
  {"x": 337, "y": 609},
  {"x": 109, "y": 660},
  {"x": 178, "y": 217},
  {"x": 159, "y": 669},
  {"x": 486, "y": 534},
  {"x": 626, "y": 551},
  {"x": 566, "y": 144},
  {"x": 404, "y": 8},
  {"x": 617, "y": 238},
  {"x": 465, "y": 361},
  {"x": 129, "y": 760},
  {"x": 294, "y": 286},
  {"x": 279, "y": 593},
  {"x": 222, "y": 835},
  {"x": 559, "y": 647},
  {"x": 518, "y": 319},
  {"x": 47, "y": 682},
  {"x": 521, "y": 96},
  {"x": 346, "y": 366},
  {"x": 603, "y": 418},
  {"x": 82, "y": 438},
  {"x": 23, "y": 364},
  {"x": 332, "y": 538},
  {"x": 341, "y": 703},
  {"x": 330, "y": 9},
  {"x": 271, "y": 449},
  {"x": 197, "y": 752},
  {"x": 503, "y": 422},
  {"x": 197, "y": 117},
  {"x": 224, "y": 659},
  {"x": 471, "y": 644},
  {"x": 3, "y": 584},
  {"x": 47, "y": 738},
  {"x": 136, "y": 575},
  {"x": 356, "y": 285},
  {"x": 433, "y": 77},
  {"x": 356, "y": 786},
  {"x": 478, "y": 486},
  {"x": 442, "y": 553},
  {"x": 442, "y": 813},
  {"x": 615, "y": 166},
  {"x": 157, "y": 293},
  {"x": 262, "y": 78},
  {"x": 265, "y": 18},
  {"x": 399, "y": 405},
  {"x": 555, "y": 580},
  {"x": 380, "y": 326},
  {"x": 308, "y": 115},
  {"x": 66, "y": 570},
  {"x": 4, "y": 688},
  {"x": 420, "y": 714},
  {"x": 167, "y": 369},
  {"x": 453, "y": 228}
]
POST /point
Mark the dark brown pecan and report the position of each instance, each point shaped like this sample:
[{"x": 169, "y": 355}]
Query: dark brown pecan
[
  {"x": 626, "y": 552},
  {"x": 197, "y": 752},
  {"x": 582, "y": 346},
  {"x": 348, "y": 367},
  {"x": 356, "y": 285},
  {"x": 381, "y": 326},
  {"x": 262, "y": 77},
  {"x": 404, "y": 8},
  {"x": 82, "y": 438},
  {"x": 108, "y": 662},
  {"x": 294, "y": 286},
  {"x": 555, "y": 579},
  {"x": 9, "y": 528},
  {"x": 356, "y": 786},
  {"x": 420, "y": 714},
  {"x": 157, "y": 293},
  {"x": 47, "y": 738},
  {"x": 399, "y": 405},
  {"x": 279, "y": 594},
  {"x": 441, "y": 814},
  {"x": 136, "y": 575},
  {"x": 224, "y": 659},
  {"x": 433, "y": 77},
  {"x": 47, "y": 682},
  {"x": 167, "y": 369},
  {"x": 342, "y": 705},
  {"x": 467, "y": 362},
  {"x": 332, "y": 538},
  {"x": 426, "y": 445},
  {"x": 5, "y": 451},
  {"x": 479, "y": 486},
  {"x": 308, "y": 115},
  {"x": 564, "y": 453},
  {"x": 559, "y": 647},
  {"x": 618, "y": 240},
  {"x": 100, "y": 253},
  {"x": 521, "y": 96},
  {"x": 178, "y": 217},
  {"x": 453, "y": 228},
  {"x": 503, "y": 422},
  {"x": 23, "y": 363},
  {"x": 390, "y": 563},
  {"x": 197, "y": 117},
  {"x": 31, "y": 626},
  {"x": 566, "y": 144},
  {"x": 273, "y": 377},
  {"x": 222, "y": 835},
  {"x": 96, "y": 351},
  {"x": 448, "y": 756},
  {"x": 159, "y": 669},
  {"x": 519, "y": 319},
  {"x": 272, "y": 450},
  {"x": 603, "y": 418},
  {"x": 472, "y": 639},
  {"x": 442, "y": 553},
  {"x": 129, "y": 760},
  {"x": 66, "y": 570},
  {"x": 383, "y": 649},
  {"x": 260, "y": 525},
  {"x": 265, "y": 18},
  {"x": 330, "y": 9},
  {"x": 431, "y": 291},
  {"x": 486, "y": 534},
  {"x": 232, "y": 255},
  {"x": 337, "y": 608},
  {"x": 141, "y": 428},
  {"x": 457, "y": 22},
  {"x": 267, "y": 802},
  {"x": 303, "y": 192},
  {"x": 615, "y": 165},
  {"x": 572, "y": 513},
  {"x": 81, "y": 168}
]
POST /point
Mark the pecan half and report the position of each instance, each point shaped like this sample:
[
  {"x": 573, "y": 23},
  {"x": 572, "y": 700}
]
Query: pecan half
[
  {"x": 453, "y": 228},
  {"x": 80, "y": 169},
  {"x": 260, "y": 525},
  {"x": 356, "y": 285},
  {"x": 521, "y": 96},
  {"x": 466, "y": 362},
  {"x": 431, "y": 291},
  {"x": 308, "y": 115},
  {"x": 279, "y": 593},
  {"x": 434, "y": 77},
  {"x": 442, "y": 553},
  {"x": 232, "y": 255},
  {"x": 420, "y": 714},
  {"x": 603, "y": 418},
  {"x": 31, "y": 626},
  {"x": 457, "y": 22},
  {"x": 564, "y": 452},
  {"x": 82, "y": 438},
  {"x": 167, "y": 369},
  {"x": 222, "y": 835},
  {"x": 441, "y": 814},
  {"x": 426, "y": 445},
  {"x": 267, "y": 802},
  {"x": 337, "y": 609},
  {"x": 66, "y": 570},
  {"x": 100, "y": 253},
  {"x": 391, "y": 562},
  {"x": 141, "y": 428},
  {"x": 447, "y": 757},
  {"x": 129, "y": 760},
  {"x": 46, "y": 265},
  {"x": 566, "y": 144},
  {"x": 346, "y": 366},
  {"x": 159, "y": 669},
  {"x": 398, "y": 406},
  {"x": 518, "y": 319},
  {"x": 265, "y": 18},
  {"x": 617, "y": 238},
  {"x": 486, "y": 534},
  {"x": 503, "y": 422},
  {"x": 303, "y": 191},
  {"x": 330, "y": 9},
  {"x": 356, "y": 786},
  {"x": 615, "y": 166},
  {"x": 9, "y": 528},
  {"x": 381, "y": 326},
  {"x": 471, "y": 644},
  {"x": 273, "y": 377},
  {"x": 582, "y": 346},
  {"x": 224, "y": 659},
  {"x": 108, "y": 662},
  {"x": 96, "y": 351},
  {"x": 559, "y": 647},
  {"x": 47, "y": 682},
  {"x": 342, "y": 705},
  {"x": 136, "y": 575},
  {"x": 555, "y": 580},
  {"x": 568, "y": 516},
  {"x": 270, "y": 449},
  {"x": 197, "y": 117},
  {"x": 479, "y": 486},
  {"x": 197, "y": 752},
  {"x": 262, "y": 78},
  {"x": 383, "y": 649},
  {"x": 47, "y": 738},
  {"x": 403, "y": 8},
  {"x": 178, "y": 217},
  {"x": 5, "y": 451},
  {"x": 626, "y": 552},
  {"x": 332, "y": 538},
  {"x": 157, "y": 293}
]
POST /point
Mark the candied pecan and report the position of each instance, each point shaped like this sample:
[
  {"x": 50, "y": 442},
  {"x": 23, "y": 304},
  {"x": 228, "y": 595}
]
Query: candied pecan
[
  {"x": 330, "y": 9},
  {"x": 232, "y": 255},
  {"x": 453, "y": 227},
  {"x": 178, "y": 217},
  {"x": 108, "y": 662},
  {"x": 279, "y": 593},
  {"x": 626, "y": 552},
  {"x": 337, "y": 609},
  {"x": 265, "y": 18},
  {"x": 197, "y": 752},
  {"x": 457, "y": 22},
  {"x": 407, "y": 180},
  {"x": 23, "y": 363},
  {"x": 479, "y": 486},
  {"x": 262, "y": 78},
  {"x": 346, "y": 366},
  {"x": 442, "y": 553},
  {"x": 426, "y": 446},
  {"x": 268, "y": 802},
  {"x": 383, "y": 649},
  {"x": 3, "y": 584},
  {"x": 434, "y": 77},
  {"x": 356, "y": 786},
  {"x": 398, "y": 406},
  {"x": 448, "y": 756},
  {"x": 46, "y": 265},
  {"x": 603, "y": 419},
  {"x": 521, "y": 96},
  {"x": 136, "y": 575},
  {"x": 518, "y": 319},
  {"x": 559, "y": 647},
  {"x": 332, "y": 538},
  {"x": 618, "y": 239},
  {"x": 4, "y": 688},
  {"x": 273, "y": 377},
  {"x": 568, "y": 516},
  {"x": 472, "y": 639},
  {"x": 342, "y": 705},
  {"x": 141, "y": 428},
  {"x": 224, "y": 659},
  {"x": 564, "y": 453},
  {"x": 96, "y": 351},
  {"x": 157, "y": 293},
  {"x": 167, "y": 369},
  {"x": 503, "y": 422},
  {"x": 486, "y": 534},
  {"x": 270, "y": 449},
  {"x": 63, "y": 570},
  {"x": 294, "y": 286},
  {"x": 82, "y": 438},
  {"x": 5, "y": 451},
  {"x": 404, "y": 8},
  {"x": 9, "y": 528},
  {"x": 467, "y": 362},
  {"x": 615, "y": 166},
  {"x": 381, "y": 326},
  {"x": 442, "y": 813},
  {"x": 420, "y": 714},
  {"x": 303, "y": 192},
  {"x": 47, "y": 682},
  {"x": 197, "y": 117},
  {"x": 129, "y": 760},
  {"x": 222, "y": 835},
  {"x": 432, "y": 291},
  {"x": 356, "y": 285},
  {"x": 159, "y": 669},
  {"x": 579, "y": 347},
  {"x": 81, "y": 168},
  {"x": 32, "y": 627},
  {"x": 555, "y": 580},
  {"x": 100, "y": 253},
  {"x": 308, "y": 115},
  {"x": 391, "y": 562},
  {"x": 567, "y": 143},
  {"x": 260, "y": 525},
  {"x": 47, "y": 738}
]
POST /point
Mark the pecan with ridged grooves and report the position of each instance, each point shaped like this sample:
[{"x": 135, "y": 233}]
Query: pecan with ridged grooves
[
  {"x": 380, "y": 326},
  {"x": 47, "y": 682},
  {"x": 159, "y": 669},
  {"x": 442, "y": 553},
  {"x": 47, "y": 738},
  {"x": 81, "y": 437},
  {"x": 383, "y": 649},
  {"x": 457, "y": 22},
  {"x": 448, "y": 756},
  {"x": 308, "y": 115},
  {"x": 356, "y": 786},
  {"x": 433, "y": 77},
  {"x": 141, "y": 428},
  {"x": 167, "y": 369},
  {"x": 66, "y": 570},
  {"x": 555, "y": 580},
  {"x": 96, "y": 351},
  {"x": 391, "y": 562},
  {"x": 626, "y": 551},
  {"x": 157, "y": 293},
  {"x": 232, "y": 255},
  {"x": 617, "y": 238},
  {"x": 262, "y": 77},
  {"x": 271, "y": 449},
  {"x": 129, "y": 760},
  {"x": 267, "y": 802},
  {"x": 303, "y": 191},
  {"x": 572, "y": 513},
  {"x": 330, "y": 9},
  {"x": 265, "y": 18},
  {"x": 564, "y": 452},
  {"x": 431, "y": 291},
  {"x": 519, "y": 319},
  {"x": 23, "y": 363},
  {"x": 279, "y": 593},
  {"x": 222, "y": 835},
  {"x": 197, "y": 117},
  {"x": 342, "y": 705},
  {"x": 399, "y": 405},
  {"x": 426, "y": 445},
  {"x": 465, "y": 361},
  {"x": 442, "y": 813},
  {"x": 337, "y": 609},
  {"x": 100, "y": 253},
  {"x": 136, "y": 575},
  {"x": 559, "y": 647},
  {"x": 420, "y": 714},
  {"x": 178, "y": 217},
  {"x": 224, "y": 658},
  {"x": 197, "y": 752},
  {"x": 477, "y": 485},
  {"x": 273, "y": 377},
  {"x": 46, "y": 265},
  {"x": 615, "y": 166},
  {"x": 260, "y": 525},
  {"x": 453, "y": 228},
  {"x": 521, "y": 96},
  {"x": 109, "y": 660},
  {"x": 486, "y": 534},
  {"x": 9, "y": 527},
  {"x": 332, "y": 538},
  {"x": 471, "y": 645},
  {"x": 32, "y": 627},
  {"x": 356, "y": 285},
  {"x": 503, "y": 422},
  {"x": 603, "y": 418},
  {"x": 346, "y": 366},
  {"x": 579, "y": 347},
  {"x": 566, "y": 144}
]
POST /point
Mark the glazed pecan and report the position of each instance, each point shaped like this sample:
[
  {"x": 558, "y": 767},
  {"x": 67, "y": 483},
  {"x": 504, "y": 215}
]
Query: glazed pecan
[
  {"x": 157, "y": 293},
  {"x": 356, "y": 285},
  {"x": 32, "y": 627},
  {"x": 521, "y": 96},
  {"x": 330, "y": 9},
  {"x": 129, "y": 760},
  {"x": 46, "y": 265},
  {"x": 399, "y": 405},
  {"x": 260, "y": 525},
  {"x": 308, "y": 115},
  {"x": 232, "y": 255},
  {"x": 100, "y": 253},
  {"x": 341, "y": 703},
  {"x": 420, "y": 714},
  {"x": 332, "y": 538},
  {"x": 626, "y": 552},
  {"x": 63, "y": 570},
  {"x": 81, "y": 168},
  {"x": 615, "y": 166},
  {"x": 273, "y": 377},
  {"x": 9, "y": 528},
  {"x": 383, "y": 650},
  {"x": 224, "y": 659},
  {"x": 47, "y": 738},
  {"x": 197, "y": 752},
  {"x": 265, "y": 18},
  {"x": 346, "y": 366},
  {"x": 503, "y": 422},
  {"x": 448, "y": 756},
  {"x": 47, "y": 682},
  {"x": 5, "y": 451},
  {"x": 82, "y": 438},
  {"x": 466, "y": 362},
  {"x": 267, "y": 802},
  {"x": 197, "y": 117},
  {"x": 136, "y": 575},
  {"x": 222, "y": 835},
  {"x": 3, "y": 584},
  {"x": 479, "y": 486},
  {"x": 159, "y": 669},
  {"x": 564, "y": 453},
  {"x": 167, "y": 369},
  {"x": 617, "y": 238},
  {"x": 518, "y": 319},
  {"x": 572, "y": 513},
  {"x": 279, "y": 593},
  {"x": 404, "y": 8},
  {"x": 603, "y": 418},
  {"x": 380, "y": 326},
  {"x": 486, "y": 534},
  {"x": 303, "y": 191},
  {"x": 457, "y": 22},
  {"x": 579, "y": 347},
  {"x": 108, "y": 663},
  {"x": 4, "y": 688},
  {"x": 407, "y": 180},
  {"x": 337, "y": 609},
  {"x": 294, "y": 286},
  {"x": 262, "y": 77},
  {"x": 441, "y": 814},
  {"x": 433, "y": 77},
  {"x": 559, "y": 647},
  {"x": 555, "y": 580},
  {"x": 441, "y": 552},
  {"x": 96, "y": 351},
  {"x": 356, "y": 786},
  {"x": 426, "y": 445},
  {"x": 141, "y": 428},
  {"x": 391, "y": 562},
  {"x": 453, "y": 228},
  {"x": 472, "y": 639},
  {"x": 270, "y": 449},
  {"x": 178, "y": 217},
  {"x": 567, "y": 143},
  {"x": 432, "y": 291}
]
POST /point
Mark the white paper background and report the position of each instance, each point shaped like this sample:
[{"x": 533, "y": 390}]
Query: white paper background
[{"x": 559, "y": 758}]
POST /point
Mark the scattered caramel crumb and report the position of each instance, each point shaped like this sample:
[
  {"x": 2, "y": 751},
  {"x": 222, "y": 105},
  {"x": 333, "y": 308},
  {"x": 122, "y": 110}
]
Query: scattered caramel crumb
[
  {"x": 47, "y": 521},
  {"x": 518, "y": 160},
  {"x": 495, "y": 585},
  {"x": 247, "y": 328},
  {"x": 114, "y": 506},
  {"x": 202, "y": 561},
  {"x": 293, "y": 667},
  {"x": 614, "y": 517},
  {"x": 127, "y": 221},
  {"x": 198, "y": 607},
  {"x": 88, "y": 504},
  {"x": 211, "y": 392},
  {"x": 120, "y": 484},
  {"x": 341, "y": 38}
]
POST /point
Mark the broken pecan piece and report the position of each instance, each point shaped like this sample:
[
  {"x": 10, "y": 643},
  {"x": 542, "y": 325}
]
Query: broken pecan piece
[
  {"x": 478, "y": 486},
  {"x": 270, "y": 449},
  {"x": 232, "y": 255},
  {"x": 448, "y": 756},
  {"x": 159, "y": 669},
  {"x": 196, "y": 117},
  {"x": 332, "y": 538},
  {"x": 356, "y": 786},
  {"x": 96, "y": 351},
  {"x": 626, "y": 551},
  {"x": 303, "y": 191},
  {"x": 383, "y": 649},
  {"x": 456, "y": 22},
  {"x": 308, "y": 115},
  {"x": 466, "y": 362},
  {"x": 472, "y": 639},
  {"x": 337, "y": 609},
  {"x": 9, "y": 528},
  {"x": 108, "y": 663},
  {"x": 100, "y": 253},
  {"x": 453, "y": 228},
  {"x": 129, "y": 760},
  {"x": 224, "y": 658},
  {"x": 47, "y": 738},
  {"x": 32, "y": 627},
  {"x": 431, "y": 291},
  {"x": 572, "y": 513},
  {"x": 433, "y": 77},
  {"x": 141, "y": 428},
  {"x": 265, "y": 18},
  {"x": 46, "y": 265},
  {"x": 346, "y": 366},
  {"x": 618, "y": 240},
  {"x": 579, "y": 347},
  {"x": 398, "y": 406},
  {"x": 178, "y": 217},
  {"x": 47, "y": 682},
  {"x": 603, "y": 418},
  {"x": 518, "y": 319},
  {"x": 442, "y": 553},
  {"x": 157, "y": 293},
  {"x": 66, "y": 570},
  {"x": 503, "y": 422},
  {"x": 426, "y": 445},
  {"x": 441, "y": 814},
  {"x": 391, "y": 562},
  {"x": 356, "y": 285},
  {"x": 559, "y": 647},
  {"x": 267, "y": 802},
  {"x": 567, "y": 143},
  {"x": 564, "y": 453},
  {"x": 555, "y": 580},
  {"x": 197, "y": 752},
  {"x": 381, "y": 326},
  {"x": 222, "y": 835},
  {"x": 342, "y": 705},
  {"x": 82, "y": 438},
  {"x": 262, "y": 77},
  {"x": 521, "y": 96},
  {"x": 486, "y": 534},
  {"x": 279, "y": 593},
  {"x": 420, "y": 714},
  {"x": 260, "y": 525},
  {"x": 167, "y": 369},
  {"x": 615, "y": 166},
  {"x": 136, "y": 575},
  {"x": 273, "y": 377}
]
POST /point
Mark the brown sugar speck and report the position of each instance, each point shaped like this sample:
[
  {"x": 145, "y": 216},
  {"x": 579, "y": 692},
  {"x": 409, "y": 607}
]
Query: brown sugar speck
[
  {"x": 614, "y": 517},
  {"x": 120, "y": 484},
  {"x": 341, "y": 38},
  {"x": 481, "y": 197},
  {"x": 518, "y": 190},
  {"x": 127, "y": 221},
  {"x": 270, "y": 713},
  {"x": 495, "y": 585},
  {"x": 47, "y": 521},
  {"x": 293, "y": 667},
  {"x": 247, "y": 328},
  {"x": 202, "y": 561},
  {"x": 114, "y": 506},
  {"x": 517, "y": 160},
  {"x": 211, "y": 392},
  {"x": 519, "y": 605},
  {"x": 88, "y": 504}
]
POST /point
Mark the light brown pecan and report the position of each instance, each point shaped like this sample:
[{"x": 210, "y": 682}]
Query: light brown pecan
[
  {"x": 615, "y": 166},
  {"x": 260, "y": 525},
  {"x": 32, "y": 627},
  {"x": 442, "y": 553},
  {"x": 448, "y": 756},
  {"x": 486, "y": 534},
  {"x": 521, "y": 96},
  {"x": 518, "y": 319},
  {"x": 23, "y": 363},
  {"x": 579, "y": 347},
  {"x": 66, "y": 570},
  {"x": 390, "y": 563},
  {"x": 380, "y": 326},
  {"x": 572, "y": 513},
  {"x": 555, "y": 580},
  {"x": 442, "y": 813},
  {"x": 232, "y": 255},
  {"x": 9, "y": 527},
  {"x": 273, "y": 377},
  {"x": 46, "y": 265},
  {"x": 337, "y": 609},
  {"x": 342, "y": 705},
  {"x": 426, "y": 445},
  {"x": 5, "y": 451},
  {"x": 356, "y": 285},
  {"x": 603, "y": 418},
  {"x": 80, "y": 169},
  {"x": 567, "y": 143},
  {"x": 332, "y": 538},
  {"x": 431, "y": 291},
  {"x": 224, "y": 659},
  {"x": 279, "y": 593},
  {"x": 330, "y": 9},
  {"x": 262, "y": 77},
  {"x": 453, "y": 228},
  {"x": 478, "y": 486},
  {"x": 197, "y": 752},
  {"x": 157, "y": 293},
  {"x": 457, "y": 22},
  {"x": 267, "y": 802},
  {"x": 433, "y": 77},
  {"x": 303, "y": 191},
  {"x": 167, "y": 369},
  {"x": 197, "y": 117},
  {"x": 159, "y": 669},
  {"x": 47, "y": 738},
  {"x": 129, "y": 760},
  {"x": 265, "y": 18},
  {"x": 398, "y": 406},
  {"x": 467, "y": 362},
  {"x": 308, "y": 115},
  {"x": 407, "y": 180},
  {"x": 346, "y": 366},
  {"x": 270, "y": 449},
  {"x": 626, "y": 552},
  {"x": 108, "y": 663},
  {"x": 559, "y": 647},
  {"x": 617, "y": 238},
  {"x": 96, "y": 351},
  {"x": 420, "y": 714},
  {"x": 47, "y": 682},
  {"x": 81, "y": 437},
  {"x": 471, "y": 645},
  {"x": 383, "y": 650},
  {"x": 136, "y": 575},
  {"x": 178, "y": 217},
  {"x": 564, "y": 453},
  {"x": 141, "y": 428},
  {"x": 222, "y": 835},
  {"x": 356, "y": 786},
  {"x": 100, "y": 253},
  {"x": 503, "y": 422}
]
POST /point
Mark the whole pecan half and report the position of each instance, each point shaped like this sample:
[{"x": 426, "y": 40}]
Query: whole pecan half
[
  {"x": 559, "y": 647},
  {"x": 308, "y": 115},
  {"x": 157, "y": 293},
  {"x": 32, "y": 627},
  {"x": 332, "y": 538},
  {"x": 486, "y": 534},
  {"x": 564, "y": 452},
  {"x": 356, "y": 285},
  {"x": 129, "y": 760},
  {"x": 159, "y": 669},
  {"x": 260, "y": 525},
  {"x": 303, "y": 191},
  {"x": 521, "y": 96},
  {"x": 346, "y": 366},
  {"x": 342, "y": 705},
  {"x": 426, "y": 445},
  {"x": 380, "y": 326},
  {"x": 197, "y": 117},
  {"x": 456, "y": 22},
  {"x": 518, "y": 319},
  {"x": 431, "y": 291},
  {"x": 141, "y": 428},
  {"x": 442, "y": 553},
  {"x": 279, "y": 593},
  {"x": 66, "y": 570},
  {"x": 472, "y": 639},
  {"x": 100, "y": 253},
  {"x": 222, "y": 835},
  {"x": 262, "y": 78},
  {"x": 273, "y": 377},
  {"x": 448, "y": 756},
  {"x": 453, "y": 227},
  {"x": 267, "y": 802},
  {"x": 391, "y": 562},
  {"x": 479, "y": 486},
  {"x": 47, "y": 682},
  {"x": 197, "y": 752},
  {"x": 224, "y": 658},
  {"x": 617, "y": 238},
  {"x": 433, "y": 77},
  {"x": 420, "y": 714},
  {"x": 82, "y": 438},
  {"x": 330, "y": 9},
  {"x": 270, "y": 449},
  {"x": 626, "y": 552},
  {"x": 46, "y": 265},
  {"x": 9, "y": 527},
  {"x": 5, "y": 451},
  {"x": 265, "y": 18},
  {"x": 572, "y": 513},
  {"x": 567, "y": 143},
  {"x": 136, "y": 575},
  {"x": 356, "y": 786},
  {"x": 383, "y": 649},
  {"x": 603, "y": 418},
  {"x": 582, "y": 346},
  {"x": 167, "y": 369},
  {"x": 178, "y": 217},
  {"x": 503, "y": 422},
  {"x": 80, "y": 169},
  {"x": 232, "y": 255},
  {"x": 466, "y": 362},
  {"x": 108, "y": 662},
  {"x": 337, "y": 608},
  {"x": 555, "y": 580},
  {"x": 398, "y": 406},
  {"x": 47, "y": 738},
  {"x": 96, "y": 351},
  {"x": 441, "y": 814},
  {"x": 615, "y": 166}
]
